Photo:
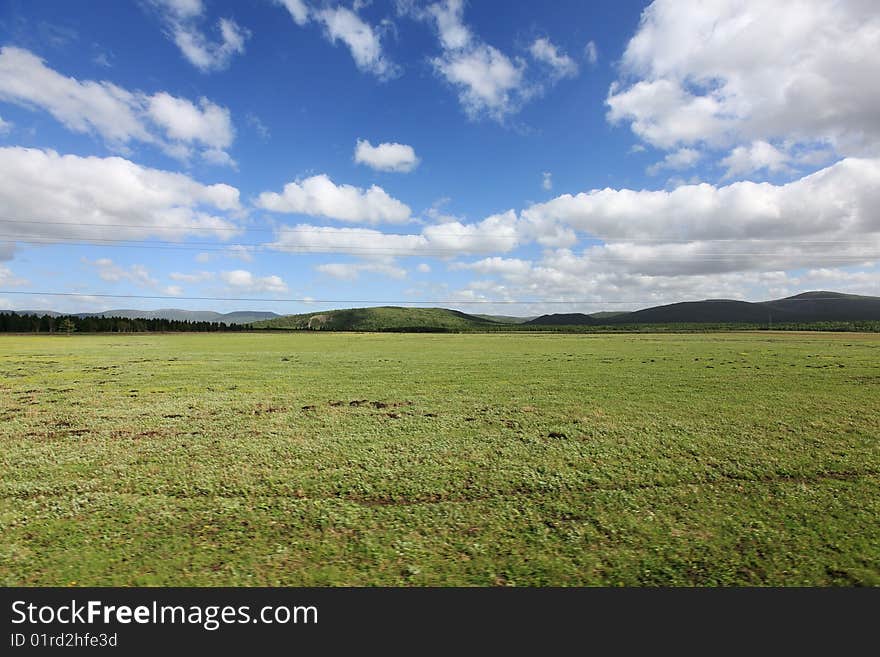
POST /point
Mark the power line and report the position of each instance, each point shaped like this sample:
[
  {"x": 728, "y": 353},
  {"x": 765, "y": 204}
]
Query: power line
[
  {"x": 375, "y": 301},
  {"x": 368, "y": 231},
  {"x": 390, "y": 251}
]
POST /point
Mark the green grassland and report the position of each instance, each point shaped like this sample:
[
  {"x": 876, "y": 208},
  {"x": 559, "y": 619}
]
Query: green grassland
[{"x": 440, "y": 459}]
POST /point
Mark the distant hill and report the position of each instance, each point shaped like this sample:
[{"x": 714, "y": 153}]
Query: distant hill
[
  {"x": 385, "y": 318},
  {"x": 820, "y": 306},
  {"x": 504, "y": 319},
  {"x": 237, "y": 317},
  {"x": 809, "y": 307},
  {"x": 564, "y": 319},
  {"x": 605, "y": 314},
  {"x": 39, "y": 313}
]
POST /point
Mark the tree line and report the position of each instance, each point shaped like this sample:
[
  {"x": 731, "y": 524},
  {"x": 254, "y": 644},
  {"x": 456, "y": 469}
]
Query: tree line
[{"x": 15, "y": 323}]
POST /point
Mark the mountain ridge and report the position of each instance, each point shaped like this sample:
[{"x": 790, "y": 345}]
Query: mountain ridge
[{"x": 805, "y": 307}]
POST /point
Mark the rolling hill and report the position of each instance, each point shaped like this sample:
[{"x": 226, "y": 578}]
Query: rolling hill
[
  {"x": 820, "y": 306},
  {"x": 385, "y": 318}
]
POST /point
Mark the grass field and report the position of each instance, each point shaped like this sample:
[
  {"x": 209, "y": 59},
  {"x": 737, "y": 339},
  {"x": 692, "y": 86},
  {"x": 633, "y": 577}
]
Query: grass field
[{"x": 395, "y": 459}]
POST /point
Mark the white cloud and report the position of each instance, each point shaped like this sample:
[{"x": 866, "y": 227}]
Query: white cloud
[
  {"x": 683, "y": 158},
  {"x": 182, "y": 18},
  {"x": 757, "y": 156},
  {"x": 182, "y": 8},
  {"x": 591, "y": 52},
  {"x": 239, "y": 252},
  {"x": 563, "y": 276},
  {"x": 261, "y": 128},
  {"x": 454, "y": 34},
  {"x": 489, "y": 83},
  {"x": 547, "y": 180},
  {"x": 173, "y": 290},
  {"x": 298, "y": 9},
  {"x": 197, "y": 277},
  {"x": 386, "y": 156},
  {"x": 731, "y": 72},
  {"x": 319, "y": 196},
  {"x": 119, "y": 116},
  {"x": 498, "y": 266},
  {"x": 113, "y": 273},
  {"x": 8, "y": 279},
  {"x": 352, "y": 271},
  {"x": 208, "y": 124},
  {"x": 837, "y": 198},
  {"x": 88, "y": 106},
  {"x": 241, "y": 280},
  {"x": 497, "y": 233},
  {"x": 5, "y": 126},
  {"x": 826, "y": 217},
  {"x": 362, "y": 40},
  {"x": 424, "y": 268},
  {"x": 71, "y": 197},
  {"x": 219, "y": 158},
  {"x": 359, "y": 241},
  {"x": 544, "y": 51}
]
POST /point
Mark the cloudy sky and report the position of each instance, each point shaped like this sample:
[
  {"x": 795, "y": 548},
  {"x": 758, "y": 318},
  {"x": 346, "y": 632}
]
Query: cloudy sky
[{"x": 517, "y": 158}]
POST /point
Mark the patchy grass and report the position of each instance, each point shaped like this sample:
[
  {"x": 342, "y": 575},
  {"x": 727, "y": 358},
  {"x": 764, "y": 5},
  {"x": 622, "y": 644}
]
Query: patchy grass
[{"x": 359, "y": 459}]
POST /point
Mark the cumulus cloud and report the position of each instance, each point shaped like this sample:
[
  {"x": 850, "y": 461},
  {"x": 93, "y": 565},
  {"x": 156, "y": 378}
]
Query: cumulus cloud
[
  {"x": 351, "y": 271},
  {"x": 683, "y": 158},
  {"x": 547, "y": 180},
  {"x": 182, "y": 120},
  {"x": 489, "y": 82},
  {"x": 577, "y": 285},
  {"x": 757, "y": 156},
  {"x": 386, "y": 156},
  {"x": 495, "y": 265},
  {"x": 71, "y": 197},
  {"x": 241, "y": 280},
  {"x": 8, "y": 279},
  {"x": 119, "y": 116},
  {"x": 560, "y": 64},
  {"x": 364, "y": 41},
  {"x": 497, "y": 233},
  {"x": 826, "y": 217},
  {"x": 739, "y": 71},
  {"x": 182, "y": 20},
  {"x": 574, "y": 281},
  {"x": 298, "y": 10},
  {"x": 109, "y": 271},
  {"x": 319, "y": 196},
  {"x": 836, "y": 199}
]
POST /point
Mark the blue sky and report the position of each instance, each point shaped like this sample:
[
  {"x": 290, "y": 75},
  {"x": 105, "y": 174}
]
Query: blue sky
[{"x": 516, "y": 158}]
